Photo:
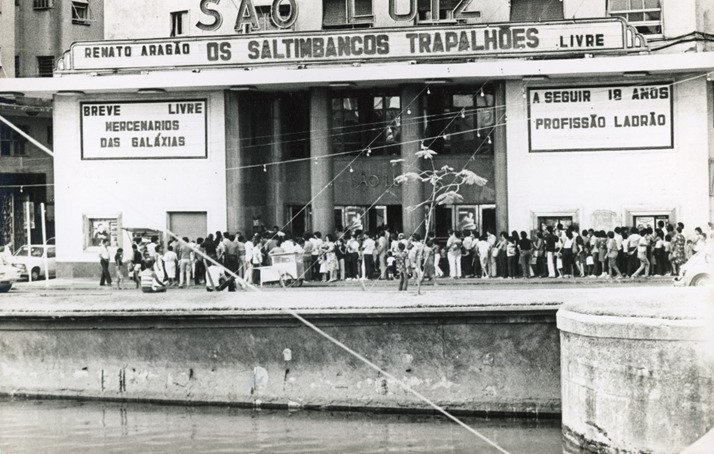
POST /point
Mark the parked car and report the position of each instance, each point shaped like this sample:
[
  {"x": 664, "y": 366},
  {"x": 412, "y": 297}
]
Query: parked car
[
  {"x": 8, "y": 275},
  {"x": 34, "y": 264},
  {"x": 699, "y": 269}
]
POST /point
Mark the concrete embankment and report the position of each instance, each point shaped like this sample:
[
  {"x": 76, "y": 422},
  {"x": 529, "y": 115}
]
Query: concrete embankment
[
  {"x": 638, "y": 376},
  {"x": 470, "y": 351}
]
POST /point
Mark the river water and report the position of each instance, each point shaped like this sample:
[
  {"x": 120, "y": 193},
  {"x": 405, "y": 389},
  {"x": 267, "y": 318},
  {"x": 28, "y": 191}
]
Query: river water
[{"x": 47, "y": 426}]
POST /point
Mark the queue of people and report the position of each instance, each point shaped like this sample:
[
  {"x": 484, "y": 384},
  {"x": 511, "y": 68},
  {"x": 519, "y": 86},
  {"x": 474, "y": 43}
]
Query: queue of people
[{"x": 555, "y": 252}]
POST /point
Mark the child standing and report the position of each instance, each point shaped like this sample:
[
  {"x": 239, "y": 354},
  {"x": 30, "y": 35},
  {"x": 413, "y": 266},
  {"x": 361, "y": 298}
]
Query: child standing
[
  {"x": 401, "y": 261},
  {"x": 391, "y": 272},
  {"x": 119, "y": 262}
]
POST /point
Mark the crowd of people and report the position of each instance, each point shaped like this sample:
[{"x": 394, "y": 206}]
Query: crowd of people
[{"x": 555, "y": 252}]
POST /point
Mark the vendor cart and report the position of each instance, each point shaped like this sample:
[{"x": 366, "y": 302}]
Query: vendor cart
[{"x": 289, "y": 266}]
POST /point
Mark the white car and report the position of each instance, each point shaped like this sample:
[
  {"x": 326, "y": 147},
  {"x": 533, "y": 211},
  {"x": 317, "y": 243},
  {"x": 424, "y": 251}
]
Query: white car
[
  {"x": 35, "y": 262},
  {"x": 8, "y": 275},
  {"x": 699, "y": 269}
]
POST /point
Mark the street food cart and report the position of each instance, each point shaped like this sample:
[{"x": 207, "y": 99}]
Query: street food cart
[{"x": 286, "y": 268}]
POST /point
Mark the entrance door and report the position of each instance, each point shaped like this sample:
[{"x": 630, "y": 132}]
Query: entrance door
[
  {"x": 191, "y": 224},
  {"x": 488, "y": 220},
  {"x": 394, "y": 218}
]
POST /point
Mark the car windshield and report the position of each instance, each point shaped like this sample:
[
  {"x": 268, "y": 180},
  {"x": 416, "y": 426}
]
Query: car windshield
[{"x": 36, "y": 251}]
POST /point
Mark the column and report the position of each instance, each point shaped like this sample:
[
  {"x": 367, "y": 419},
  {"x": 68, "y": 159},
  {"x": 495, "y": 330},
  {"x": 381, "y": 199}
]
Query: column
[
  {"x": 276, "y": 173},
  {"x": 412, "y": 134},
  {"x": 500, "y": 173},
  {"x": 321, "y": 172},
  {"x": 235, "y": 116}
]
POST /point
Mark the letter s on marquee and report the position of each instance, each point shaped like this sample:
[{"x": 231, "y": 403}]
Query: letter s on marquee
[{"x": 217, "y": 17}]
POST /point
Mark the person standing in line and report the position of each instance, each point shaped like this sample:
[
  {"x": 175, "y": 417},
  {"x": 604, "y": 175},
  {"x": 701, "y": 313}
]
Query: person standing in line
[
  {"x": 633, "y": 241},
  {"x": 594, "y": 254},
  {"x": 401, "y": 261},
  {"x": 603, "y": 252},
  {"x": 512, "y": 254},
  {"x": 642, "y": 245},
  {"x": 658, "y": 253},
  {"x": 382, "y": 249},
  {"x": 526, "y": 247},
  {"x": 453, "y": 246},
  {"x": 538, "y": 254},
  {"x": 135, "y": 264},
  {"x": 198, "y": 262},
  {"x": 550, "y": 242},
  {"x": 307, "y": 248},
  {"x": 230, "y": 250},
  {"x": 368, "y": 246},
  {"x": 612, "y": 254},
  {"x": 484, "y": 255},
  {"x": 340, "y": 252},
  {"x": 240, "y": 247},
  {"x": 467, "y": 256},
  {"x": 493, "y": 258},
  {"x": 119, "y": 264},
  {"x": 567, "y": 251},
  {"x": 184, "y": 257},
  {"x": 316, "y": 252},
  {"x": 106, "y": 278},
  {"x": 170, "y": 262},
  {"x": 428, "y": 271}
]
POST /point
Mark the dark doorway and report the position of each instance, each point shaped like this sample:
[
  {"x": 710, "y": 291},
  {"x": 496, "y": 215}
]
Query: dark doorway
[
  {"x": 488, "y": 220},
  {"x": 443, "y": 221},
  {"x": 394, "y": 218}
]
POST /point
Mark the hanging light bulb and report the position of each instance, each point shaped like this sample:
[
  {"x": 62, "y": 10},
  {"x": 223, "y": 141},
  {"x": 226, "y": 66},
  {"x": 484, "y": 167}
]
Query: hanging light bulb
[
  {"x": 409, "y": 111},
  {"x": 478, "y": 133},
  {"x": 265, "y": 168},
  {"x": 482, "y": 94},
  {"x": 428, "y": 90},
  {"x": 20, "y": 189},
  {"x": 489, "y": 139},
  {"x": 369, "y": 151},
  {"x": 351, "y": 169},
  {"x": 315, "y": 161},
  {"x": 446, "y": 137},
  {"x": 463, "y": 113}
]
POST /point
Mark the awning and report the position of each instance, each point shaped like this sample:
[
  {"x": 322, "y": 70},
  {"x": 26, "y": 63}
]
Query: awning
[{"x": 367, "y": 75}]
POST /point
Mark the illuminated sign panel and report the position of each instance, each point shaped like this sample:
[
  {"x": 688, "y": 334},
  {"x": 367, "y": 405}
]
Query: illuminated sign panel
[
  {"x": 623, "y": 117},
  {"x": 413, "y": 43},
  {"x": 144, "y": 130}
]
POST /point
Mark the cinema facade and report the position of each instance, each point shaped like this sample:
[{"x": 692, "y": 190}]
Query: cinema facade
[{"x": 306, "y": 126}]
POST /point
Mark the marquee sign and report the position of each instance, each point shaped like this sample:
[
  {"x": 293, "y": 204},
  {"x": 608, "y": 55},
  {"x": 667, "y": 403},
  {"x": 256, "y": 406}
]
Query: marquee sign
[
  {"x": 597, "y": 118},
  {"x": 144, "y": 129},
  {"x": 407, "y": 43}
]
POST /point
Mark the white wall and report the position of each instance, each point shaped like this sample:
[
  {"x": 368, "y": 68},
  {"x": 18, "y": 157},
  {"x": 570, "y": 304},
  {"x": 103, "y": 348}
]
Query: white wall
[
  {"x": 142, "y": 191},
  {"x": 620, "y": 181}
]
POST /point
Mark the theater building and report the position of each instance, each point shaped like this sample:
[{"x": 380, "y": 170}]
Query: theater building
[{"x": 206, "y": 115}]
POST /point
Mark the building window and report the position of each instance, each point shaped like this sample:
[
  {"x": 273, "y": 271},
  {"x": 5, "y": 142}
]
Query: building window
[
  {"x": 42, "y": 4},
  {"x": 80, "y": 13},
  {"x": 49, "y": 134},
  {"x": 179, "y": 19},
  {"x": 461, "y": 121},
  {"x": 347, "y": 13},
  {"x": 536, "y": 10},
  {"x": 11, "y": 142},
  {"x": 645, "y": 15},
  {"x": 45, "y": 66},
  {"x": 363, "y": 119},
  {"x": 346, "y": 135}
]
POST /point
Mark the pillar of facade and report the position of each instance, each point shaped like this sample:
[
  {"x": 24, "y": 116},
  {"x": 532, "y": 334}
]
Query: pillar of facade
[
  {"x": 236, "y": 117},
  {"x": 321, "y": 172},
  {"x": 412, "y": 135},
  {"x": 499, "y": 159},
  {"x": 276, "y": 173}
]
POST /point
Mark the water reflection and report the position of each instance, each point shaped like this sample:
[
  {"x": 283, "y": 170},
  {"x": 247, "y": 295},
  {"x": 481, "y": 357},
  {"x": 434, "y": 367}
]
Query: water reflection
[{"x": 31, "y": 426}]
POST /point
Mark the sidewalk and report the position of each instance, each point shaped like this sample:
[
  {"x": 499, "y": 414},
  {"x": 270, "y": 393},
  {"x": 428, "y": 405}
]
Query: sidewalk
[{"x": 84, "y": 284}]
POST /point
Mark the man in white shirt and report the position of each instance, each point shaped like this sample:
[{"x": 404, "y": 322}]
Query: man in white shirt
[
  {"x": 368, "y": 245},
  {"x": 316, "y": 241},
  {"x": 106, "y": 278},
  {"x": 484, "y": 254}
]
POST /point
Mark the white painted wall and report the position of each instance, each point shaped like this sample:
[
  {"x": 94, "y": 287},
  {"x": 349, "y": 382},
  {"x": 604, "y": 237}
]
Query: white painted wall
[
  {"x": 620, "y": 181},
  {"x": 142, "y": 191}
]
